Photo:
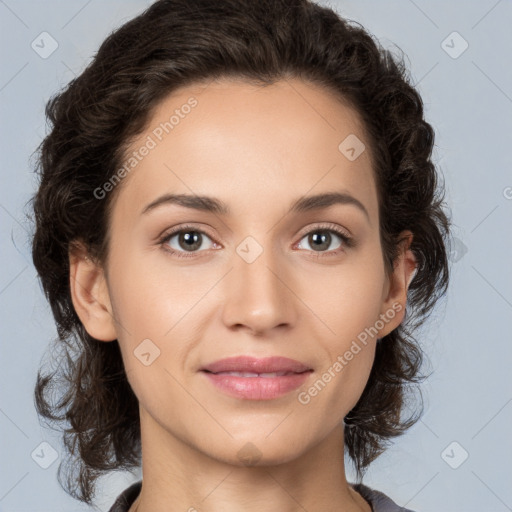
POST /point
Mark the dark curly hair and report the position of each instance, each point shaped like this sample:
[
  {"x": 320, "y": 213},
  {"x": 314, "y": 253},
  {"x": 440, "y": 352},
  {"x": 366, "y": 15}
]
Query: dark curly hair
[{"x": 175, "y": 43}]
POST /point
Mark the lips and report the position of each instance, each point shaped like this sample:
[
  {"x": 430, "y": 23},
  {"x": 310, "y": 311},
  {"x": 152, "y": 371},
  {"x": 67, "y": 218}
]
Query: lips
[
  {"x": 252, "y": 365},
  {"x": 253, "y": 374},
  {"x": 250, "y": 378}
]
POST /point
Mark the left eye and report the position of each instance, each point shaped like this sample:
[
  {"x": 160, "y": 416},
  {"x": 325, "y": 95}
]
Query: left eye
[{"x": 321, "y": 239}]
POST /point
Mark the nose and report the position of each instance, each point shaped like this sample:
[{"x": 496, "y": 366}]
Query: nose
[{"x": 259, "y": 295}]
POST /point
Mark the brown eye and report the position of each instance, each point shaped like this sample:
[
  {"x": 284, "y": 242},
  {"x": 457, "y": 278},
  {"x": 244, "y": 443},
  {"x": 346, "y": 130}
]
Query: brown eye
[
  {"x": 189, "y": 240},
  {"x": 320, "y": 240},
  {"x": 186, "y": 240}
]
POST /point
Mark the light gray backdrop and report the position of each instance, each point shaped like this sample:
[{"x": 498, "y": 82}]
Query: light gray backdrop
[{"x": 458, "y": 457}]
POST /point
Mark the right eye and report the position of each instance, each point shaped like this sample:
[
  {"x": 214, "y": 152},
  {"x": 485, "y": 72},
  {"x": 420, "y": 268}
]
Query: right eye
[{"x": 186, "y": 239}]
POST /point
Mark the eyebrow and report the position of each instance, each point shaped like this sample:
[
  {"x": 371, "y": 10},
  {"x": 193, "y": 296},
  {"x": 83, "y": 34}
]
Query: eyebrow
[{"x": 213, "y": 205}]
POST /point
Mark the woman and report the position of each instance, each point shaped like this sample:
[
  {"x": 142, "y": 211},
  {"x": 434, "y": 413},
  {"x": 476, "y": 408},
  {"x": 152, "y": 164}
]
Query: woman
[{"x": 238, "y": 228}]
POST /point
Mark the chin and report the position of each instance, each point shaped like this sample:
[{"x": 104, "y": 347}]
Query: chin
[{"x": 257, "y": 451}]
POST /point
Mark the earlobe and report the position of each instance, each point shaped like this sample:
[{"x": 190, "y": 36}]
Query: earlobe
[
  {"x": 90, "y": 295},
  {"x": 405, "y": 269}
]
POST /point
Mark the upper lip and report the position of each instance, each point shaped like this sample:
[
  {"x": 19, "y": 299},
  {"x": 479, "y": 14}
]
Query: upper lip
[{"x": 255, "y": 365}]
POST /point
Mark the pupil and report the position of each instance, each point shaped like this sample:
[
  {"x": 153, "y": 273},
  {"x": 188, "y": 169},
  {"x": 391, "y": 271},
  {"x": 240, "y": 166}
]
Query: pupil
[
  {"x": 321, "y": 240},
  {"x": 191, "y": 241}
]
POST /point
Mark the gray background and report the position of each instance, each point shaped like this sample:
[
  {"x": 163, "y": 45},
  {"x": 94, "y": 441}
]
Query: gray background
[{"x": 468, "y": 100}]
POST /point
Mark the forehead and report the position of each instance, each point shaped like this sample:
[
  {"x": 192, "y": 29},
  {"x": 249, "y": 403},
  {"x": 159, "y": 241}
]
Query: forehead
[{"x": 249, "y": 145}]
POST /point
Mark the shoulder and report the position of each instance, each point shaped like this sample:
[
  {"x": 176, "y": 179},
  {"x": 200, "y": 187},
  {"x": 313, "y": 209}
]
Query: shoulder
[
  {"x": 125, "y": 500},
  {"x": 378, "y": 500}
]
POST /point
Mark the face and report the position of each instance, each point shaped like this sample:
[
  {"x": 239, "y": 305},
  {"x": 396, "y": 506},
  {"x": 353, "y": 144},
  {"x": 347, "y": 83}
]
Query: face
[{"x": 270, "y": 273}]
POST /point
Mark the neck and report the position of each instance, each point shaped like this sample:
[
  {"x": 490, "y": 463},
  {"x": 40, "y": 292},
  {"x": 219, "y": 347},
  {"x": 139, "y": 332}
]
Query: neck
[{"x": 178, "y": 477}]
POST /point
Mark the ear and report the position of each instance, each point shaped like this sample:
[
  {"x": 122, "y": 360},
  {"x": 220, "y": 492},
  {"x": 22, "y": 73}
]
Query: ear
[
  {"x": 395, "y": 295},
  {"x": 90, "y": 295}
]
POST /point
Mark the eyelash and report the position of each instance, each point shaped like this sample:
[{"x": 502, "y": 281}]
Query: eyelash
[{"x": 348, "y": 241}]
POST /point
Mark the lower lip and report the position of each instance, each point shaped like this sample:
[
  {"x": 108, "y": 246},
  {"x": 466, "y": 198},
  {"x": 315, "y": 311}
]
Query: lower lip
[{"x": 257, "y": 388}]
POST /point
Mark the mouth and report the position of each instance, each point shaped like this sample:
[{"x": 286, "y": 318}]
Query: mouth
[
  {"x": 254, "y": 365},
  {"x": 252, "y": 374},
  {"x": 256, "y": 379}
]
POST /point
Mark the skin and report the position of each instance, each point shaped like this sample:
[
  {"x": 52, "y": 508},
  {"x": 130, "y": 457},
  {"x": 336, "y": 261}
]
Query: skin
[{"x": 258, "y": 150}]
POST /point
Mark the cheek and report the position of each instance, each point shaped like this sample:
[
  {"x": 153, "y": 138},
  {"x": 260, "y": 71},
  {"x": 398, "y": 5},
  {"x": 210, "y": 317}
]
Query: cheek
[
  {"x": 348, "y": 302},
  {"x": 150, "y": 295},
  {"x": 347, "y": 299},
  {"x": 157, "y": 308},
  {"x": 340, "y": 383}
]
